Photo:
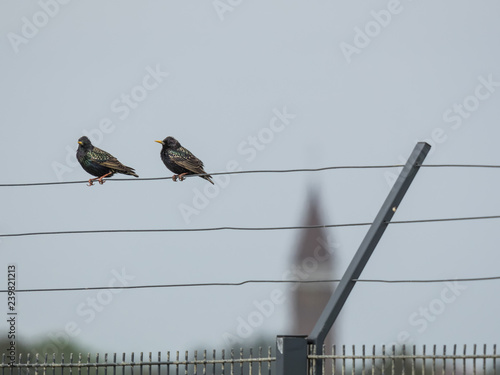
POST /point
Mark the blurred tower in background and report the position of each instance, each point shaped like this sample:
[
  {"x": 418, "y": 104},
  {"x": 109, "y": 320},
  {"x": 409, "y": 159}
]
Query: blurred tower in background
[{"x": 313, "y": 260}]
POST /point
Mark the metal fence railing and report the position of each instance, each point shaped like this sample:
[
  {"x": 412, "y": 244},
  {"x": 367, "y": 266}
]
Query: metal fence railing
[
  {"x": 244, "y": 362},
  {"x": 403, "y": 360},
  {"x": 344, "y": 360}
]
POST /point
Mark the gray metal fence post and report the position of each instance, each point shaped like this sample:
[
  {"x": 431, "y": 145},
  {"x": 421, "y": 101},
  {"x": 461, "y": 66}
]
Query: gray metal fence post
[
  {"x": 291, "y": 355},
  {"x": 339, "y": 296}
]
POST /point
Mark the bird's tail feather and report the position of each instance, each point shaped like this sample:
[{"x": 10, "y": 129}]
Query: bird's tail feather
[
  {"x": 208, "y": 178},
  {"x": 129, "y": 171}
]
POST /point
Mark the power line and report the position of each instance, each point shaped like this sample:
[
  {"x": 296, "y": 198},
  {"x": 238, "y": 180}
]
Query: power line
[
  {"x": 459, "y": 166},
  {"x": 429, "y": 281},
  {"x": 275, "y": 171},
  {"x": 179, "y": 230},
  {"x": 445, "y": 219},
  {"x": 190, "y": 285},
  {"x": 212, "y": 229},
  {"x": 212, "y": 174}
]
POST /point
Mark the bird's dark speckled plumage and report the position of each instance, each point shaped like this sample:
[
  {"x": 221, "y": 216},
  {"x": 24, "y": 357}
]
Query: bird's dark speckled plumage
[
  {"x": 98, "y": 162},
  {"x": 180, "y": 160}
]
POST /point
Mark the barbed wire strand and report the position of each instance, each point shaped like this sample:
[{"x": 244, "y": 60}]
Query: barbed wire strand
[
  {"x": 256, "y": 171},
  {"x": 92, "y": 231},
  {"x": 189, "y": 285}
]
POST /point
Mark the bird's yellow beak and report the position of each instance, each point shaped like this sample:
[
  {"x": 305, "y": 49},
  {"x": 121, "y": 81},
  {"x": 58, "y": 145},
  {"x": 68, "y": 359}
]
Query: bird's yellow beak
[
  {"x": 80, "y": 142},
  {"x": 159, "y": 142}
]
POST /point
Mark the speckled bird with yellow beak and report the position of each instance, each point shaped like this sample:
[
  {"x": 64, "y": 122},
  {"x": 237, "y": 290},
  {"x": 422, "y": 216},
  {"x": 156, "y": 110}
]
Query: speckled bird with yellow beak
[
  {"x": 180, "y": 160},
  {"x": 98, "y": 162}
]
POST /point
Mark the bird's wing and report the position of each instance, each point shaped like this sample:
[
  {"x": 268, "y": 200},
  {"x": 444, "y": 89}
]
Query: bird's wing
[
  {"x": 106, "y": 159},
  {"x": 186, "y": 159}
]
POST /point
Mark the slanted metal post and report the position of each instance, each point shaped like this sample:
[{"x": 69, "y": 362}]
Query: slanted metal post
[
  {"x": 339, "y": 296},
  {"x": 291, "y": 355}
]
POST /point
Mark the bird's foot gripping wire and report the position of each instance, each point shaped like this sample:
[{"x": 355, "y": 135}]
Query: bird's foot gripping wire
[
  {"x": 101, "y": 179},
  {"x": 179, "y": 176}
]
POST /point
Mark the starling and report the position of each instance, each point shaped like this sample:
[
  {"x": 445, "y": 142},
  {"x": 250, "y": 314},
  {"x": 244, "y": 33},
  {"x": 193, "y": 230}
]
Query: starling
[
  {"x": 180, "y": 160},
  {"x": 98, "y": 162}
]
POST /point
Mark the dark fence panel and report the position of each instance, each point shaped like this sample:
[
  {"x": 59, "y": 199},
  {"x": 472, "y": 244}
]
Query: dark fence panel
[
  {"x": 248, "y": 362},
  {"x": 406, "y": 360},
  {"x": 344, "y": 360}
]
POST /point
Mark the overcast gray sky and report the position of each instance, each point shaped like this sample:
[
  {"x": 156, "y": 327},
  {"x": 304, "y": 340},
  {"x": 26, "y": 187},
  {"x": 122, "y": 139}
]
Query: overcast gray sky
[{"x": 248, "y": 85}]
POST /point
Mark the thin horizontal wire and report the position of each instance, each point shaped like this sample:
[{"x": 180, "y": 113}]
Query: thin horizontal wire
[
  {"x": 241, "y": 228},
  {"x": 212, "y": 174},
  {"x": 466, "y": 279},
  {"x": 459, "y": 166},
  {"x": 404, "y": 356},
  {"x": 87, "y": 365},
  {"x": 445, "y": 219},
  {"x": 301, "y": 169},
  {"x": 258, "y": 171},
  {"x": 179, "y": 230},
  {"x": 189, "y": 285}
]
